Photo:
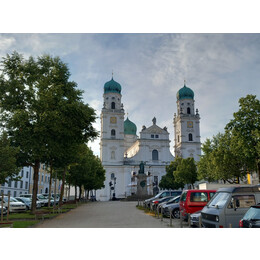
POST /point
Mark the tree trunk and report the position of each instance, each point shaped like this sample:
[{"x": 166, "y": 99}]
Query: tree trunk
[
  {"x": 35, "y": 185},
  {"x": 50, "y": 182},
  {"x": 75, "y": 192},
  {"x": 62, "y": 186},
  {"x": 80, "y": 191}
]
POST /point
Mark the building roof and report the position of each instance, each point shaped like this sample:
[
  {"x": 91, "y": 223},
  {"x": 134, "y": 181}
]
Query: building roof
[
  {"x": 129, "y": 127},
  {"x": 185, "y": 93},
  {"x": 112, "y": 87}
]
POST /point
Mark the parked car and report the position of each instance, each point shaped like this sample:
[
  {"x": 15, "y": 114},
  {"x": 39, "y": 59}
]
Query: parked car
[
  {"x": 42, "y": 201},
  {"x": 155, "y": 203},
  {"x": 28, "y": 202},
  {"x": 14, "y": 205},
  {"x": 173, "y": 206},
  {"x": 162, "y": 194},
  {"x": 194, "y": 200},
  {"x": 4, "y": 210},
  {"x": 252, "y": 218},
  {"x": 194, "y": 219},
  {"x": 229, "y": 205}
]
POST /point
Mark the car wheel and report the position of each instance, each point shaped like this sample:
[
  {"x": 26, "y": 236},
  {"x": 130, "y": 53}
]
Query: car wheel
[{"x": 176, "y": 213}]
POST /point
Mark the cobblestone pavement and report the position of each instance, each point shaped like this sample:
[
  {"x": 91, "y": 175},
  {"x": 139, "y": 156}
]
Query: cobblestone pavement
[{"x": 112, "y": 214}]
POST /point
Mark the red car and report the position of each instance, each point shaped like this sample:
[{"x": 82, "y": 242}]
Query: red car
[{"x": 194, "y": 200}]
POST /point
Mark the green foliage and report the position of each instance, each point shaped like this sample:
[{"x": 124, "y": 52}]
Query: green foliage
[
  {"x": 8, "y": 155},
  {"x": 43, "y": 112},
  {"x": 88, "y": 171},
  {"x": 168, "y": 180},
  {"x": 186, "y": 171},
  {"x": 231, "y": 155},
  {"x": 245, "y": 128},
  {"x": 220, "y": 160}
]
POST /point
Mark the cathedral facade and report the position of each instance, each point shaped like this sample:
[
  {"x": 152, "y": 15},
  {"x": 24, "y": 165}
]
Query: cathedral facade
[{"x": 122, "y": 150}]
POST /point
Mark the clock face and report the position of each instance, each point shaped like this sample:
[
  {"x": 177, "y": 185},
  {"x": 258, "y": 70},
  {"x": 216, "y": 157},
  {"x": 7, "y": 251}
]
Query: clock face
[
  {"x": 190, "y": 124},
  {"x": 113, "y": 120}
]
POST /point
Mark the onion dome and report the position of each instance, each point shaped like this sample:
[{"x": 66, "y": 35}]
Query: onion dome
[
  {"x": 112, "y": 87},
  {"x": 185, "y": 93},
  {"x": 129, "y": 127}
]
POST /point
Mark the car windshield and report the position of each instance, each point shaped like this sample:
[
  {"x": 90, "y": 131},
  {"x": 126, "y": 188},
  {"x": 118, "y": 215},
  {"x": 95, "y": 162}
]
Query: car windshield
[
  {"x": 252, "y": 213},
  {"x": 219, "y": 200},
  {"x": 11, "y": 199},
  {"x": 183, "y": 196}
]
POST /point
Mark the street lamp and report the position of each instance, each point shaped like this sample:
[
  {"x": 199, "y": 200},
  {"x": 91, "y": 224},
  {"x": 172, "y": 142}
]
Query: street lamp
[{"x": 114, "y": 193}]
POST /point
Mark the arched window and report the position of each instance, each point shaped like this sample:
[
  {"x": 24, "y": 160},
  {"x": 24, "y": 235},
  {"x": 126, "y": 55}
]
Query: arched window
[
  {"x": 155, "y": 155},
  {"x": 113, "y": 105},
  {"x": 188, "y": 110},
  {"x": 190, "y": 137},
  {"x": 113, "y": 155},
  {"x": 113, "y": 133}
]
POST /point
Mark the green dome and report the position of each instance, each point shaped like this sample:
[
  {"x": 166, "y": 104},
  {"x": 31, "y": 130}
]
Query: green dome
[
  {"x": 112, "y": 86},
  {"x": 185, "y": 93},
  {"x": 129, "y": 127}
]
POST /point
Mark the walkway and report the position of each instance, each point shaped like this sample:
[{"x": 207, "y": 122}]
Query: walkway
[{"x": 112, "y": 214}]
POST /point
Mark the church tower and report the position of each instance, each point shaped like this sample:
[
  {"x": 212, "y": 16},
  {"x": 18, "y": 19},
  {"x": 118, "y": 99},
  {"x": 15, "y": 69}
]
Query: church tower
[
  {"x": 187, "y": 126},
  {"x": 112, "y": 125}
]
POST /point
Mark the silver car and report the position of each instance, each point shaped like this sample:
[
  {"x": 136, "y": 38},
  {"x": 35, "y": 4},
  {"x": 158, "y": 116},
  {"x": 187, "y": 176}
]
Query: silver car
[{"x": 172, "y": 206}]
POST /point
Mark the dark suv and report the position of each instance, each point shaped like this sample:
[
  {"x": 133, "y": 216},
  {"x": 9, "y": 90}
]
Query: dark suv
[{"x": 162, "y": 194}]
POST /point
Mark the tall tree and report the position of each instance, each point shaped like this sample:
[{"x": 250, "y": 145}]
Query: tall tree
[
  {"x": 245, "y": 128},
  {"x": 186, "y": 171},
  {"x": 42, "y": 111},
  {"x": 168, "y": 180},
  {"x": 221, "y": 161},
  {"x": 8, "y": 167}
]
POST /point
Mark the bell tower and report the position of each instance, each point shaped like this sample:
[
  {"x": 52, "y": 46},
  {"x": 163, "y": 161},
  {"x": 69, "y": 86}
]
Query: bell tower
[
  {"x": 112, "y": 125},
  {"x": 187, "y": 126}
]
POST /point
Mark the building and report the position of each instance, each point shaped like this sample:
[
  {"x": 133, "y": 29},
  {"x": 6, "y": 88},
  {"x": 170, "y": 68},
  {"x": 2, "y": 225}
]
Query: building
[
  {"x": 25, "y": 184},
  {"x": 122, "y": 150},
  {"x": 187, "y": 126}
]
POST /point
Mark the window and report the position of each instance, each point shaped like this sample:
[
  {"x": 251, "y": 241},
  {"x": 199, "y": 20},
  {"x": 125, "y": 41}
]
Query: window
[
  {"x": 190, "y": 137},
  {"x": 155, "y": 180},
  {"x": 156, "y": 136},
  {"x": 112, "y": 176},
  {"x": 9, "y": 183},
  {"x": 242, "y": 201},
  {"x": 27, "y": 174},
  {"x": 155, "y": 155},
  {"x": 178, "y": 138},
  {"x": 42, "y": 177},
  {"x": 188, "y": 110},
  {"x": 113, "y": 155},
  {"x": 22, "y": 173},
  {"x": 15, "y": 184},
  {"x": 152, "y": 136},
  {"x": 198, "y": 197},
  {"x": 113, "y": 133},
  {"x": 15, "y": 193},
  {"x": 113, "y": 105},
  {"x": 26, "y": 185},
  {"x": 21, "y": 185}
]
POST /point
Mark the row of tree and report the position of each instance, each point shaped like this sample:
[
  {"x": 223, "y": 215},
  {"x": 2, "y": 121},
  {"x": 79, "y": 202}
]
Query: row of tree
[
  {"x": 44, "y": 119},
  {"x": 228, "y": 156}
]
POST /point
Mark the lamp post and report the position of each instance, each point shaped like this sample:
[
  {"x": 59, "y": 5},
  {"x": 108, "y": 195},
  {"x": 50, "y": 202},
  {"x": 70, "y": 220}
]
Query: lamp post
[{"x": 114, "y": 193}]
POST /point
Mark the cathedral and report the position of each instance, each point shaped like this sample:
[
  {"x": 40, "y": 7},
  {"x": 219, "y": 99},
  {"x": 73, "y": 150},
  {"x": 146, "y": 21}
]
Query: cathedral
[{"x": 122, "y": 150}]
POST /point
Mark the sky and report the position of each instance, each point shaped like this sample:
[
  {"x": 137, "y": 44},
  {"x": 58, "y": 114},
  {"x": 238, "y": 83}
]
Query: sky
[{"x": 151, "y": 68}]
